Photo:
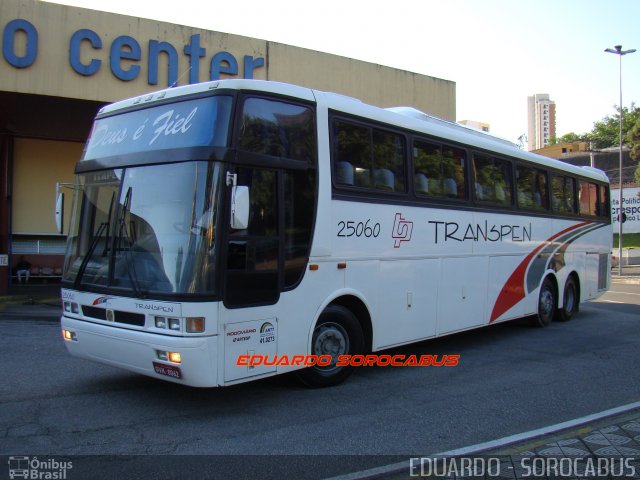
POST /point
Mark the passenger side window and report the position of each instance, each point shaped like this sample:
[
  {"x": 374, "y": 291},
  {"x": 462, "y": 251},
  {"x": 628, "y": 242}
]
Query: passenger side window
[
  {"x": 603, "y": 202},
  {"x": 279, "y": 129},
  {"x": 588, "y": 198},
  {"x": 352, "y": 159},
  {"x": 532, "y": 188},
  {"x": 427, "y": 161},
  {"x": 563, "y": 194},
  {"x": 493, "y": 180},
  {"x": 368, "y": 157},
  {"x": 453, "y": 167},
  {"x": 388, "y": 161},
  {"x": 438, "y": 170}
]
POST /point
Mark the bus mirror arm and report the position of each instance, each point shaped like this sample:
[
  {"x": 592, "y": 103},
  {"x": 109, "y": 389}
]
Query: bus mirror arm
[
  {"x": 59, "y": 205},
  {"x": 239, "y": 207},
  {"x": 59, "y": 212}
]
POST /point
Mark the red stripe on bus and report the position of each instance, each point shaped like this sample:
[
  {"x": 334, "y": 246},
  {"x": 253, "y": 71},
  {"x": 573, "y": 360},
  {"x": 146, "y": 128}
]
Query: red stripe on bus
[{"x": 513, "y": 290}]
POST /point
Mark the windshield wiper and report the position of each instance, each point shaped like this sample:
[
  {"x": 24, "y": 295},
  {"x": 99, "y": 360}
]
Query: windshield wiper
[
  {"x": 106, "y": 241},
  {"x": 94, "y": 243},
  {"x": 89, "y": 255},
  {"x": 124, "y": 234}
]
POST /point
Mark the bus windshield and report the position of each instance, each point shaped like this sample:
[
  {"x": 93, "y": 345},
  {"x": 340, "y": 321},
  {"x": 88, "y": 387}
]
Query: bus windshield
[{"x": 146, "y": 229}]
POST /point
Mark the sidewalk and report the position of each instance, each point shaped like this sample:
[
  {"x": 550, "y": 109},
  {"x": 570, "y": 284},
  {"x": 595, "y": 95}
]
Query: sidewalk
[
  {"x": 37, "y": 302},
  {"x": 604, "y": 445},
  {"x": 630, "y": 275}
]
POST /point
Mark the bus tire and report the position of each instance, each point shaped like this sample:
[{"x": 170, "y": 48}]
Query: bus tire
[
  {"x": 546, "y": 304},
  {"x": 569, "y": 301},
  {"x": 337, "y": 332}
]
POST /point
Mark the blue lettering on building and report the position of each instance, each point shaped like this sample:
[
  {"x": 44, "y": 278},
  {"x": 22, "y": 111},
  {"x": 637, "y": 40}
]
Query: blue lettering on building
[
  {"x": 88, "y": 55},
  {"x": 93, "y": 40},
  {"x": 125, "y": 48},
  {"x": 194, "y": 52},
  {"x": 155, "y": 49},
  {"x": 11, "y": 31}
]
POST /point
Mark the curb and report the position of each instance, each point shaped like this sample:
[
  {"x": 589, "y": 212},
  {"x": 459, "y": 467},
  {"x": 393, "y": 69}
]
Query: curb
[
  {"x": 29, "y": 300},
  {"x": 493, "y": 445},
  {"x": 626, "y": 280}
]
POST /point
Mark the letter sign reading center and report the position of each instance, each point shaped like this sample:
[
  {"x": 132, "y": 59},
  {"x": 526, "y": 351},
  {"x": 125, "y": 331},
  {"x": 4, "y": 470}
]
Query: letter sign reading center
[{"x": 89, "y": 50}]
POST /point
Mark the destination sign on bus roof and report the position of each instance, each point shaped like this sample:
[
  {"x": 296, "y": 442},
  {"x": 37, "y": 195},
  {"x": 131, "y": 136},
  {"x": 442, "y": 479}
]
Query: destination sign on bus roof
[{"x": 200, "y": 122}]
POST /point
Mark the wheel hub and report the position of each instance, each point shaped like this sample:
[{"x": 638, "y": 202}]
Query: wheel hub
[
  {"x": 546, "y": 302},
  {"x": 331, "y": 340}
]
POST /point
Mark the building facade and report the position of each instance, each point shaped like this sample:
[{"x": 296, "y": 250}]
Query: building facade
[
  {"x": 60, "y": 64},
  {"x": 541, "y": 121}
]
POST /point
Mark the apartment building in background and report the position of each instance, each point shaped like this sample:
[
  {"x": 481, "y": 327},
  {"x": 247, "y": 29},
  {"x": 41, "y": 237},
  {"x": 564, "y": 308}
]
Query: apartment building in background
[{"x": 542, "y": 121}]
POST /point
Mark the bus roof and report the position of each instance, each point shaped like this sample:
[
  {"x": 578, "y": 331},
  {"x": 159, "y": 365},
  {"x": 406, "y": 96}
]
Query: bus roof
[{"x": 404, "y": 117}]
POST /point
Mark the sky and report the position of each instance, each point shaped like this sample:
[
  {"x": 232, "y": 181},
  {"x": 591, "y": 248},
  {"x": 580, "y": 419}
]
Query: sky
[{"x": 497, "y": 52}]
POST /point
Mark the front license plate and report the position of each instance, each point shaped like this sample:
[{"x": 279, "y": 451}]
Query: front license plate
[{"x": 168, "y": 370}]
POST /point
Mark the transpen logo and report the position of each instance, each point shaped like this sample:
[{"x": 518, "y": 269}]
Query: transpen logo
[
  {"x": 402, "y": 230},
  {"x": 100, "y": 301}
]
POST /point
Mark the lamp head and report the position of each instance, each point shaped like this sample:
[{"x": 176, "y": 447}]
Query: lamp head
[{"x": 618, "y": 50}]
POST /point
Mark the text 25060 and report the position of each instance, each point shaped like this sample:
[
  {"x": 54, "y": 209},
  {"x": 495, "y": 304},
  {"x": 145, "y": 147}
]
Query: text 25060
[{"x": 358, "y": 229}]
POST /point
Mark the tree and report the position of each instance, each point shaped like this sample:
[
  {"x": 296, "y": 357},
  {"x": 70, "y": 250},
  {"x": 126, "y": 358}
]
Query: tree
[
  {"x": 633, "y": 140},
  {"x": 606, "y": 132},
  {"x": 571, "y": 137}
]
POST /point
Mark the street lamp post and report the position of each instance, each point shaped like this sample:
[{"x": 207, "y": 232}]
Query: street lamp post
[{"x": 618, "y": 51}]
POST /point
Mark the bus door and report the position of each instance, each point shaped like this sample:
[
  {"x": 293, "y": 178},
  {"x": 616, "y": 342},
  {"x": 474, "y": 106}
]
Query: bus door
[
  {"x": 252, "y": 274},
  {"x": 276, "y": 159}
]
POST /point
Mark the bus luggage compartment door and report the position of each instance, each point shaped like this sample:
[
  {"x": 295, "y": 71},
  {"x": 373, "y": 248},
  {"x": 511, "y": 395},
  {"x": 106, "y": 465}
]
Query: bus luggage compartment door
[{"x": 250, "y": 342}]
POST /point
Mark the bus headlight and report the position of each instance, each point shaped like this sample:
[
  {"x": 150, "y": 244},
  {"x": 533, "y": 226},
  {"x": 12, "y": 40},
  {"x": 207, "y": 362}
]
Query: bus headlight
[
  {"x": 174, "y": 324},
  {"x": 173, "y": 357}
]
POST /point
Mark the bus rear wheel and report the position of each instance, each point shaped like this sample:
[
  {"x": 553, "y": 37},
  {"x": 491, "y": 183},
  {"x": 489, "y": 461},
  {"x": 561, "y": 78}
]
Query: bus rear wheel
[
  {"x": 337, "y": 332},
  {"x": 546, "y": 304},
  {"x": 569, "y": 301}
]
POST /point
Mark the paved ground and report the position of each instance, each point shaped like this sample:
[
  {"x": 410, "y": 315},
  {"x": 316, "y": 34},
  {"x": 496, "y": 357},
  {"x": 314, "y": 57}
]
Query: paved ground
[
  {"x": 605, "y": 445},
  {"x": 600, "y": 446}
]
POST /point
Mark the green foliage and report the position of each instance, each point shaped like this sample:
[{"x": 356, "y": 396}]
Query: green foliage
[
  {"x": 629, "y": 240},
  {"x": 606, "y": 132},
  {"x": 570, "y": 138},
  {"x": 633, "y": 140}
]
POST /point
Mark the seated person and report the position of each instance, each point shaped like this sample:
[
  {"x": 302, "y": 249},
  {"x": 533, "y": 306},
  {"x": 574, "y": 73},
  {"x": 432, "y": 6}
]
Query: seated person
[{"x": 23, "y": 270}]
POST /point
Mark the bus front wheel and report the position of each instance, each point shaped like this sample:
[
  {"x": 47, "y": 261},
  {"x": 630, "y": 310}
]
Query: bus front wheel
[
  {"x": 337, "y": 332},
  {"x": 546, "y": 304}
]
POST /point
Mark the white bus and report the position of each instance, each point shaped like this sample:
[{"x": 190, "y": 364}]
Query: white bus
[{"x": 249, "y": 219}]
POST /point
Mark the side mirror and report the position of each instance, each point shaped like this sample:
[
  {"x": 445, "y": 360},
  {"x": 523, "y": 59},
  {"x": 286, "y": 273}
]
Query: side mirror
[
  {"x": 239, "y": 207},
  {"x": 59, "y": 212}
]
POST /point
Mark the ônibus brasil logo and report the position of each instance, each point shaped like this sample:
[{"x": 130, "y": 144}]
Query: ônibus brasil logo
[{"x": 33, "y": 468}]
